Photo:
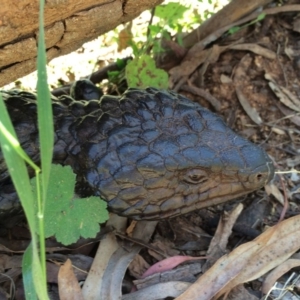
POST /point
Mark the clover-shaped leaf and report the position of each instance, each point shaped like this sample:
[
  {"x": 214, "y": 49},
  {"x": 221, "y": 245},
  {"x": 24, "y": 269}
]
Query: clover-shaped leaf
[
  {"x": 68, "y": 217},
  {"x": 141, "y": 72}
]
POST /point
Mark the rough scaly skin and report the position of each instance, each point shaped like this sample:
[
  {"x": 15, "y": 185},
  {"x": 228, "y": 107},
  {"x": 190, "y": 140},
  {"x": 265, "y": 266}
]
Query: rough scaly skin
[{"x": 149, "y": 153}]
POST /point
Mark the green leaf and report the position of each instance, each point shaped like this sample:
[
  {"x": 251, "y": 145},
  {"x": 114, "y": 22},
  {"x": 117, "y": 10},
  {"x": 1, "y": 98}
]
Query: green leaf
[
  {"x": 141, "y": 72},
  {"x": 75, "y": 223},
  {"x": 135, "y": 48},
  {"x": 45, "y": 119},
  {"x": 33, "y": 277},
  {"x": 113, "y": 75},
  {"x": 27, "y": 274},
  {"x": 11, "y": 150},
  {"x": 237, "y": 28},
  {"x": 171, "y": 11},
  {"x": 234, "y": 29},
  {"x": 155, "y": 29},
  {"x": 261, "y": 16},
  {"x": 121, "y": 63},
  {"x": 67, "y": 217}
]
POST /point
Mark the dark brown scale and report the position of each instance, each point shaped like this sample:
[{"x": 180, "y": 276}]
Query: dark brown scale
[{"x": 149, "y": 153}]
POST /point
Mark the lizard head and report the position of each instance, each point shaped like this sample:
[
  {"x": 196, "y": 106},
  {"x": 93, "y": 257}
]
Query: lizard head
[{"x": 167, "y": 155}]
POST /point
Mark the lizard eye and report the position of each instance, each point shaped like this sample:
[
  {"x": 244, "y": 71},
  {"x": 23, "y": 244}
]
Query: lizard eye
[{"x": 196, "y": 176}]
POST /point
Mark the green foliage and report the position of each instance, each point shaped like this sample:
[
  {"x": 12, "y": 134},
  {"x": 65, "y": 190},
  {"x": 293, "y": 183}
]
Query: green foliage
[
  {"x": 34, "y": 263},
  {"x": 15, "y": 158},
  {"x": 141, "y": 72},
  {"x": 237, "y": 28},
  {"x": 121, "y": 63},
  {"x": 27, "y": 272},
  {"x": 171, "y": 13},
  {"x": 67, "y": 217},
  {"x": 117, "y": 76}
]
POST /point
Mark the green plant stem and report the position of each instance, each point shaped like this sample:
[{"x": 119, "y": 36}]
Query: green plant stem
[
  {"x": 40, "y": 215},
  {"x": 17, "y": 147},
  {"x": 46, "y": 136}
]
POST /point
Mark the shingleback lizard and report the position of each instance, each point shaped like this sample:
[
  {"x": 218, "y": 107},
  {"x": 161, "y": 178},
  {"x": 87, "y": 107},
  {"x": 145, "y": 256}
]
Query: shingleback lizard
[{"x": 149, "y": 153}]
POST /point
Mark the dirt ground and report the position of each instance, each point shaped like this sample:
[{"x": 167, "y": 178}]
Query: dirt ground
[{"x": 251, "y": 78}]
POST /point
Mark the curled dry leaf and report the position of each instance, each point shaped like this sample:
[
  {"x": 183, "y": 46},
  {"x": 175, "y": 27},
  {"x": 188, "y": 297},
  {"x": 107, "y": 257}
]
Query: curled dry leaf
[
  {"x": 278, "y": 131},
  {"x": 271, "y": 188},
  {"x": 285, "y": 96},
  {"x": 240, "y": 292},
  {"x": 218, "y": 245},
  {"x": 138, "y": 266},
  {"x": 184, "y": 273},
  {"x": 125, "y": 37},
  {"x": 159, "y": 291},
  {"x": 278, "y": 272},
  {"x": 247, "y": 262},
  {"x": 108, "y": 245},
  {"x": 67, "y": 283},
  {"x": 168, "y": 264},
  {"x": 255, "y": 48},
  {"x": 111, "y": 286},
  {"x": 242, "y": 88},
  {"x": 216, "y": 104},
  {"x": 294, "y": 117}
]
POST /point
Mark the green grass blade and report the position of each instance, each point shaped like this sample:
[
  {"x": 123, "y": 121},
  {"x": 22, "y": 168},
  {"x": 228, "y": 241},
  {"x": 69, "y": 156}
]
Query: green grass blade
[
  {"x": 33, "y": 275},
  {"x": 45, "y": 119},
  {"x": 29, "y": 287},
  {"x": 19, "y": 175},
  {"x": 46, "y": 134},
  {"x": 16, "y": 166}
]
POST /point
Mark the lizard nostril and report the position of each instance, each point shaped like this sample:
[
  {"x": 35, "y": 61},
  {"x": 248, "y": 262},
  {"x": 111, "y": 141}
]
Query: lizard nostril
[{"x": 259, "y": 176}]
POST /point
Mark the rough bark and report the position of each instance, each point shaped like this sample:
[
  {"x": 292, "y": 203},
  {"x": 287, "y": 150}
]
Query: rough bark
[{"x": 68, "y": 24}]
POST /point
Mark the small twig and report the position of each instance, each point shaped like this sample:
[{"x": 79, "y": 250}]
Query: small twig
[
  {"x": 150, "y": 22},
  {"x": 286, "y": 203},
  {"x": 202, "y": 93},
  {"x": 141, "y": 243}
]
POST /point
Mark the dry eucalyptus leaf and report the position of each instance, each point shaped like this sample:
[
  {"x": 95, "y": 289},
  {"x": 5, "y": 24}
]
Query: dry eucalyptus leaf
[
  {"x": 125, "y": 37},
  {"x": 247, "y": 262},
  {"x": 243, "y": 88},
  {"x": 255, "y": 48},
  {"x": 294, "y": 117},
  {"x": 271, "y": 188},
  {"x": 225, "y": 79},
  {"x": 285, "y": 96},
  {"x": 111, "y": 285},
  {"x": 138, "y": 266},
  {"x": 240, "y": 292},
  {"x": 278, "y": 131},
  {"x": 218, "y": 245},
  {"x": 251, "y": 112},
  {"x": 159, "y": 291},
  {"x": 67, "y": 283},
  {"x": 278, "y": 272},
  {"x": 108, "y": 245}
]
